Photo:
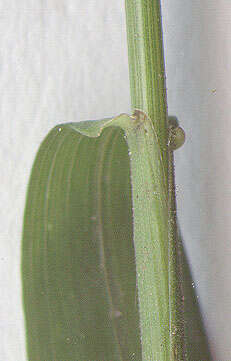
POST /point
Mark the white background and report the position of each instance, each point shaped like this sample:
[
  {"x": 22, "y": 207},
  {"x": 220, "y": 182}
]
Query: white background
[{"x": 66, "y": 60}]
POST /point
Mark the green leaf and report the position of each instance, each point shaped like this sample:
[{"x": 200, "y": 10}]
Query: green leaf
[
  {"x": 78, "y": 261},
  {"x": 78, "y": 258},
  {"x": 96, "y": 228},
  {"x": 79, "y": 265}
]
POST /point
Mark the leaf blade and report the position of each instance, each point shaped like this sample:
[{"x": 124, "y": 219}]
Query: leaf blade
[{"x": 69, "y": 200}]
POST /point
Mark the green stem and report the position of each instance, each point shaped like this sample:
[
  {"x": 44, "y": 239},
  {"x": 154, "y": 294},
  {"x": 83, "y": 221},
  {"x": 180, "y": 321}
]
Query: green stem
[
  {"x": 160, "y": 297},
  {"x": 146, "y": 63}
]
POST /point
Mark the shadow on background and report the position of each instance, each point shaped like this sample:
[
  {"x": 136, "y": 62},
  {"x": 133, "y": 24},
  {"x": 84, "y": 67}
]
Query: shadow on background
[{"x": 196, "y": 338}]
